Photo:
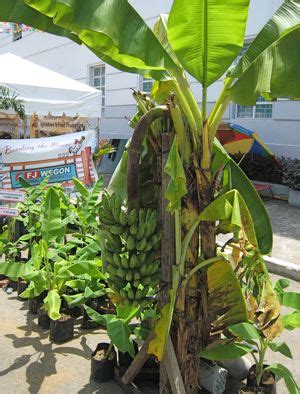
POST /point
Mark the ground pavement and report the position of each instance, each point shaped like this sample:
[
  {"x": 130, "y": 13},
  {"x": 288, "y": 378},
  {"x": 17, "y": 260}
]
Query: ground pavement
[
  {"x": 30, "y": 363},
  {"x": 286, "y": 228}
]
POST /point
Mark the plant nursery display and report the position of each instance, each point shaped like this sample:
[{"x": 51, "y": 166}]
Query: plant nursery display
[
  {"x": 57, "y": 268},
  {"x": 175, "y": 190}
]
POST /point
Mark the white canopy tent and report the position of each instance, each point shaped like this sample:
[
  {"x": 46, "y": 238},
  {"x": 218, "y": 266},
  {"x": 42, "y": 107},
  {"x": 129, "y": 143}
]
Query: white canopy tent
[{"x": 43, "y": 90}]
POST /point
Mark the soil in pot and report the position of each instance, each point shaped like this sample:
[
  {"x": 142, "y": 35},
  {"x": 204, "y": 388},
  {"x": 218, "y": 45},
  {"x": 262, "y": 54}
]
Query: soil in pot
[
  {"x": 267, "y": 384},
  {"x": 43, "y": 318},
  {"x": 62, "y": 330},
  {"x": 102, "y": 367}
]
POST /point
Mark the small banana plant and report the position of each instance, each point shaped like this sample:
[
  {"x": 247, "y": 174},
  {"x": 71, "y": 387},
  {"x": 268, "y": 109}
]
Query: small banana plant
[{"x": 51, "y": 268}]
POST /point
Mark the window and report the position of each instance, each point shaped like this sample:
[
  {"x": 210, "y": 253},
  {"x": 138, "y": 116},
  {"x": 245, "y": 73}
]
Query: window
[
  {"x": 147, "y": 84},
  {"x": 262, "y": 110},
  {"x": 97, "y": 80},
  {"x": 114, "y": 144}
]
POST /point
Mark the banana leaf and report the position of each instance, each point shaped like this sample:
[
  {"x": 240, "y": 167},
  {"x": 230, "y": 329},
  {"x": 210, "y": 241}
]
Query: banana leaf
[
  {"x": 207, "y": 35},
  {"x": 270, "y": 66},
  {"x": 52, "y": 304},
  {"x": 226, "y": 303},
  {"x": 80, "y": 187},
  {"x": 116, "y": 33},
  {"x": 236, "y": 179},
  {"x": 51, "y": 223},
  {"x": 18, "y": 12}
]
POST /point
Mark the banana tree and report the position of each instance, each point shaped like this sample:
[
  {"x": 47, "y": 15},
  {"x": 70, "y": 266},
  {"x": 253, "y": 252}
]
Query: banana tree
[{"x": 202, "y": 38}]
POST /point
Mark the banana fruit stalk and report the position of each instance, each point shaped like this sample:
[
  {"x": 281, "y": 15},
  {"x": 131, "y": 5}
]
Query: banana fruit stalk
[{"x": 130, "y": 241}]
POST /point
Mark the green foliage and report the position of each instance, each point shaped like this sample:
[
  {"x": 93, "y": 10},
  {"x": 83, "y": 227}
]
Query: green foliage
[
  {"x": 207, "y": 52},
  {"x": 51, "y": 223},
  {"x": 219, "y": 351},
  {"x": 118, "y": 328},
  {"x": 234, "y": 178},
  {"x": 202, "y": 37},
  {"x": 60, "y": 261},
  {"x": 177, "y": 185},
  {"x": 18, "y": 12},
  {"x": 261, "y": 71},
  {"x": 291, "y": 173},
  {"x": 282, "y": 372},
  {"x": 11, "y": 102},
  {"x": 110, "y": 29}
]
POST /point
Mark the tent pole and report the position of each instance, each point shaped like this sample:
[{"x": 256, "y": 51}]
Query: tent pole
[{"x": 98, "y": 132}]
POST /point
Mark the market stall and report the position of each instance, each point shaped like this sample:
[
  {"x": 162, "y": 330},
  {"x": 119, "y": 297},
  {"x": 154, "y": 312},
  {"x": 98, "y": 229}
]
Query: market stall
[
  {"x": 46, "y": 93},
  {"x": 57, "y": 105}
]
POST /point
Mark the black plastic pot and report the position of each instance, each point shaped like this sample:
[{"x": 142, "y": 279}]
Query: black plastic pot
[
  {"x": 104, "y": 305},
  {"x": 22, "y": 285},
  {"x": 87, "y": 323},
  {"x": 125, "y": 359},
  {"x": 13, "y": 285},
  {"x": 267, "y": 385},
  {"x": 43, "y": 318},
  {"x": 33, "y": 304},
  {"x": 149, "y": 372},
  {"x": 102, "y": 368},
  {"x": 74, "y": 312},
  {"x": 62, "y": 330}
]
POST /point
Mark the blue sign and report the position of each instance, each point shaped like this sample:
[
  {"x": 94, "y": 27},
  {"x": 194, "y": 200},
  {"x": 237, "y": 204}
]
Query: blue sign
[{"x": 57, "y": 174}]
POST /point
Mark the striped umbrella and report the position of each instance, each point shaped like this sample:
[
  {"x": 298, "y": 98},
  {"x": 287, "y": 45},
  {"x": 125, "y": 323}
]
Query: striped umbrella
[{"x": 237, "y": 139}]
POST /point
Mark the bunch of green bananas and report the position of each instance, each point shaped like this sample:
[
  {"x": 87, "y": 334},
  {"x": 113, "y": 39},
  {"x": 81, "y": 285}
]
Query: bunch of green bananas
[{"x": 129, "y": 243}]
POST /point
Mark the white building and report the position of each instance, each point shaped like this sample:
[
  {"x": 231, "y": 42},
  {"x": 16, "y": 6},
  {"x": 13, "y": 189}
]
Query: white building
[{"x": 277, "y": 123}]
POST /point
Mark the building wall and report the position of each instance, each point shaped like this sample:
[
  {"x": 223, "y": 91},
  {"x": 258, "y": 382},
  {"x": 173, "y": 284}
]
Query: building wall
[{"x": 281, "y": 133}]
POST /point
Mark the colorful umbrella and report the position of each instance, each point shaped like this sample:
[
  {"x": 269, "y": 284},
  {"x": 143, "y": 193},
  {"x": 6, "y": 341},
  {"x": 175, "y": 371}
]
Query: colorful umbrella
[{"x": 237, "y": 139}]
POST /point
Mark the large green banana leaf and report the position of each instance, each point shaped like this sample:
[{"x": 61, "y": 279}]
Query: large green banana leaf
[
  {"x": 51, "y": 223},
  {"x": 113, "y": 30},
  {"x": 18, "y": 12},
  {"x": 270, "y": 66},
  {"x": 236, "y": 179},
  {"x": 207, "y": 35},
  {"x": 231, "y": 208},
  {"x": 52, "y": 304},
  {"x": 161, "y": 31}
]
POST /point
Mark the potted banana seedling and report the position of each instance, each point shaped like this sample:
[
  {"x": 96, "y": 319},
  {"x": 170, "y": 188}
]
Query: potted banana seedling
[
  {"x": 258, "y": 336},
  {"x": 87, "y": 206},
  {"x": 120, "y": 333},
  {"x": 86, "y": 290},
  {"x": 12, "y": 251}
]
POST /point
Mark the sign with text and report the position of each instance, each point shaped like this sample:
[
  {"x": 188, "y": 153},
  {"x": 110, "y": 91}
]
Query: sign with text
[
  {"x": 12, "y": 196},
  {"x": 48, "y": 126},
  {"x": 58, "y": 174},
  {"x": 59, "y": 158},
  {"x": 13, "y": 212}
]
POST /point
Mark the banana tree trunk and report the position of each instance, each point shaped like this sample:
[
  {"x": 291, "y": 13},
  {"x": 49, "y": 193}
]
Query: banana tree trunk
[{"x": 191, "y": 330}]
